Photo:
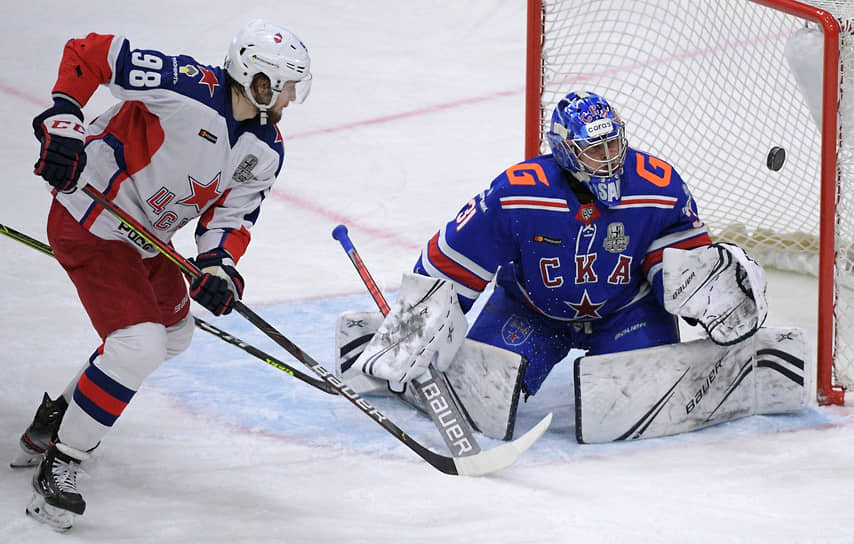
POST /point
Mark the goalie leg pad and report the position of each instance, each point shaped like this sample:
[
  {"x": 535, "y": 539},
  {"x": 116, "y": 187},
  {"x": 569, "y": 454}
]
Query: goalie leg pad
[
  {"x": 678, "y": 388},
  {"x": 353, "y": 331},
  {"x": 487, "y": 381}
]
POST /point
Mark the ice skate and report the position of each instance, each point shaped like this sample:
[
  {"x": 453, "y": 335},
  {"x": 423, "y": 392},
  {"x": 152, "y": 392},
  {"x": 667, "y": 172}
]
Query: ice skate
[
  {"x": 55, "y": 499},
  {"x": 41, "y": 432}
]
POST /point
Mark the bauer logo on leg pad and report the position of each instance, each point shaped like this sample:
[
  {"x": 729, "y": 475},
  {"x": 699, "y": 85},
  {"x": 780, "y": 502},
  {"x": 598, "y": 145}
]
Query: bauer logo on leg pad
[{"x": 620, "y": 396}]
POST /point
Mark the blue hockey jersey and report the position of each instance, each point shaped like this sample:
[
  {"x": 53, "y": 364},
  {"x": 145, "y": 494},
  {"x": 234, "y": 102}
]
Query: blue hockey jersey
[{"x": 569, "y": 259}]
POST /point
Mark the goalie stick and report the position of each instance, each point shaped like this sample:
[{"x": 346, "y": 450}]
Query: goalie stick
[
  {"x": 484, "y": 462},
  {"x": 200, "y": 323},
  {"x": 340, "y": 233},
  {"x": 433, "y": 392}
]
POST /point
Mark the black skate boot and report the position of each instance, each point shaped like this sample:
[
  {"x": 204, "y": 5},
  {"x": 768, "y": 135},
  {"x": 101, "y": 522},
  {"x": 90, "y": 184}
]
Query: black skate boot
[
  {"x": 41, "y": 433},
  {"x": 55, "y": 497}
]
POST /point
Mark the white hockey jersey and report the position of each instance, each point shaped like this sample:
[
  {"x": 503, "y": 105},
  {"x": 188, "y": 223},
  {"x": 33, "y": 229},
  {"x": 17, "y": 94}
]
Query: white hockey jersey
[{"x": 171, "y": 151}]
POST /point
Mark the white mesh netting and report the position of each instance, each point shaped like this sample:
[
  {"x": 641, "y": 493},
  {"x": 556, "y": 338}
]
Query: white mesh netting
[{"x": 706, "y": 86}]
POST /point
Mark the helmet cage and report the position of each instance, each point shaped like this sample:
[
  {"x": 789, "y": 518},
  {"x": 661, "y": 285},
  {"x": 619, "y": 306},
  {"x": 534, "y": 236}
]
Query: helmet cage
[
  {"x": 602, "y": 157},
  {"x": 588, "y": 139}
]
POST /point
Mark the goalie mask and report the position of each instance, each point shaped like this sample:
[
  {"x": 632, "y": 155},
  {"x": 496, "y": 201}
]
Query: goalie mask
[
  {"x": 588, "y": 139},
  {"x": 266, "y": 48}
]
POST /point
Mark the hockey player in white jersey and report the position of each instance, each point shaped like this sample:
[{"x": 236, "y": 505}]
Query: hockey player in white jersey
[{"x": 186, "y": 141}]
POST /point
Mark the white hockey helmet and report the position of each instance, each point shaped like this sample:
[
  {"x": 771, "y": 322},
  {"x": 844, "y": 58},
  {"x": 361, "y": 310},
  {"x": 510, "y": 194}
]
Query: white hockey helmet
[{"x": 273, "y": 50}]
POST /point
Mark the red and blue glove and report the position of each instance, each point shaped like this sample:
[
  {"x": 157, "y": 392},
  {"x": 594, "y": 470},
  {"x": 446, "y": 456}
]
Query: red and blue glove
[
  {"x": 62, "y": 135},
  {"x": 219, "y": 285}
]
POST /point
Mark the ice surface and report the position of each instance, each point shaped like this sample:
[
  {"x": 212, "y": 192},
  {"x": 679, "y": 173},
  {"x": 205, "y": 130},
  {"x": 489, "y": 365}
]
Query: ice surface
[{"x": 415, "y": 107}]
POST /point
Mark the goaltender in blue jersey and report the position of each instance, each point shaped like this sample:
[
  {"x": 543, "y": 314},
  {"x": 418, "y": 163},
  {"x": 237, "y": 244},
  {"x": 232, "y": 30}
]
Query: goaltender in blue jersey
[
  {"x": 598, "y": 247},
  {"x": 576, "y": 239}
]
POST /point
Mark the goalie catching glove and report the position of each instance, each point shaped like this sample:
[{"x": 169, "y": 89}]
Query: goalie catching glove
[
  {"x": 718, "y": 286},
  {"x": 425, "y": 325}
]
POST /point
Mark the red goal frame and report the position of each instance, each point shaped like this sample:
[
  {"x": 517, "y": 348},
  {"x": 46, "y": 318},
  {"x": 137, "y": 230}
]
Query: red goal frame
[{"x": 827, "y": 391}]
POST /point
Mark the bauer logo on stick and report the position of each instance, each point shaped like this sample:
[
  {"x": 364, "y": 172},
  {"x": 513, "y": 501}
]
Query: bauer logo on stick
[{"x": 776, "y": 158}]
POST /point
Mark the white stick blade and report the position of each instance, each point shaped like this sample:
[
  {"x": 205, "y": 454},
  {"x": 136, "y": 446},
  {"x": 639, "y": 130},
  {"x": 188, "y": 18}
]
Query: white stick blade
[{"x": 503, "y": 456}]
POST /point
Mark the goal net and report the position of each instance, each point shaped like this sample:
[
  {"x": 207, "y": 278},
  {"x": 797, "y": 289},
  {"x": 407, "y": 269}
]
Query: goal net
[{"x": 712, "y": 87}]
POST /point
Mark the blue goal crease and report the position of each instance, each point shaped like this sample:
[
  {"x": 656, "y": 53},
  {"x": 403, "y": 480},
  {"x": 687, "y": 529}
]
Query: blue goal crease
[{"x": 231, "y": 385}]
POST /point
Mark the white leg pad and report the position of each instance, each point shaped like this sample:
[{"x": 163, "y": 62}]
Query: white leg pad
[
  {"x": 678, "y": 388},
  {"x": 487, "y": 381},
  {"x": 353, "y": 331}
]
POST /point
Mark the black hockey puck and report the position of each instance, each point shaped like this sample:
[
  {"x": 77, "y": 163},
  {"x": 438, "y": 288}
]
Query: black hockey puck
[{"x": 776, "y": 158}]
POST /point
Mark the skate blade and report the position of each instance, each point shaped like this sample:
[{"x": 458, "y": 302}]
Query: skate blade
[
  {"x": 26, "y": 459},
  {"x": 61, "y": 520}
]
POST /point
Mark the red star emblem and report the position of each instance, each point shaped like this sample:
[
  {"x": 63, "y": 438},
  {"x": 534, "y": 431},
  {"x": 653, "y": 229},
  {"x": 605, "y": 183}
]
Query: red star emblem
[
  {"x": 585, "y": 308},
  {"x": 209, "y": 79},
  {"x": 201, "y": 194}
]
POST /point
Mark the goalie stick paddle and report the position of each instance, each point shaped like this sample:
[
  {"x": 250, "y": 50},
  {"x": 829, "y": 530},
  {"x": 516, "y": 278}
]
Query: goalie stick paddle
[
  {"x": 200, "y": 323},
  {"x": 445, "y": 412},
  {"x": 475, "y": 465},
  {"x": 518, "y": 446}
]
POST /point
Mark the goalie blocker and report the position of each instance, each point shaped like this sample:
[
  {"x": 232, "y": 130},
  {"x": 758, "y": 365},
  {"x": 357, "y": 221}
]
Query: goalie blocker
[{"x": 485, "y": 381}]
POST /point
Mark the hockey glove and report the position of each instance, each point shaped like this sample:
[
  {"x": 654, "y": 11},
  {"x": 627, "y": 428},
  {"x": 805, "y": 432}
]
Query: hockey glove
[
  {"x": 219, "y": 285},
  {"x": 719, "y": 286},
  {"x": 425, "y": 325},
  {"x": 62, "y": 135}
]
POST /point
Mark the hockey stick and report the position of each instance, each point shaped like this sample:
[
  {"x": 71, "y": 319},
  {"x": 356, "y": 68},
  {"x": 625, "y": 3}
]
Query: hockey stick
[
  {"x": 523, "y": 443},
  {"x": 26, "y": 240},
  {"x": 200, "y": 323},
  {"x": 433, "y": 391},
  {"x": 269, "y": 359},
  {"x": 475, "y": 465}
]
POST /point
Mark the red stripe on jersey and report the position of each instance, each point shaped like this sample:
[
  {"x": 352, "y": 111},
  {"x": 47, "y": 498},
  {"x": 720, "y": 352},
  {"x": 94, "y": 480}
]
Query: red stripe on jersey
[
  {"x": 139, "y": 131},
  {"x": 236, "y": 242},
  {"x": 656, "y": 256},
  {"x": 85, "y": 65},
  {"x": 451, "y": 268},
  {"x": 96, "y": 210},
  {"x": 141, "y": 136},
  {"x": 505, "y": 202},
  {"x": 208, "y": 214},
  {"x": 646, "y": 201},
  {"x": 101, "y": 398}
]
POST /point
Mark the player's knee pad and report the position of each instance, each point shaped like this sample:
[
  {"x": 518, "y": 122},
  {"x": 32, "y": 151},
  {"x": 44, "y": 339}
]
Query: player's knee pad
[
  {"x": 179, "y": 336},
  {"x": 132, "y": 353}
]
